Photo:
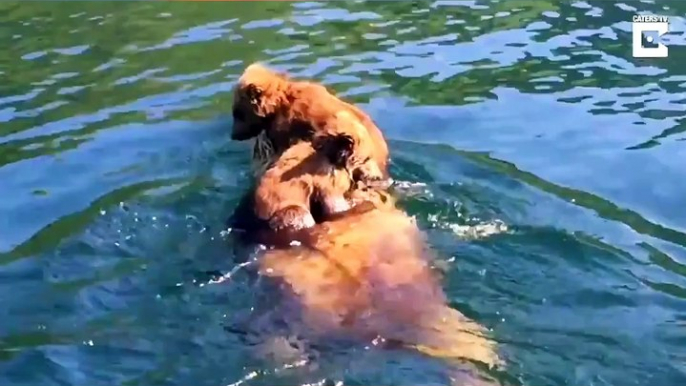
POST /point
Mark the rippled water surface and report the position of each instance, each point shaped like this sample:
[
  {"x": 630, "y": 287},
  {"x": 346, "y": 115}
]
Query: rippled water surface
[{"x": 554, "y": 165}]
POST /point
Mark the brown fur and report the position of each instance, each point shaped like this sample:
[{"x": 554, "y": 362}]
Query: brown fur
[
  {"x": 320, "y": 171},
  {"x": 368, "y": 274},
  {"x": 279, "y": 112}
]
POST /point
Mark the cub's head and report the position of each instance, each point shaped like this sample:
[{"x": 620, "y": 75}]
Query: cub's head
[
  {"x": 260, "y": 93},
  {"x": 347, "y": 144}
]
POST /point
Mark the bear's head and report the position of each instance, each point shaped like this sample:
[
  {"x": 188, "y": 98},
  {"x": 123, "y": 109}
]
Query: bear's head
[{"x": 260, "y": 93}]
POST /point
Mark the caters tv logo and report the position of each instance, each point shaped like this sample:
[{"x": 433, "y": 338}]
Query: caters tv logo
[{"x": 647, "y": 36}]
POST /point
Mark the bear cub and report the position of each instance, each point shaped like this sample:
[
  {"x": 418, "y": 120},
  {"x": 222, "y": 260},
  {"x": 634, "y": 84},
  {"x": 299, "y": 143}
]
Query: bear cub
[
  {"x": 321, "y": 172},
  {"x": 278, "y": 111}
]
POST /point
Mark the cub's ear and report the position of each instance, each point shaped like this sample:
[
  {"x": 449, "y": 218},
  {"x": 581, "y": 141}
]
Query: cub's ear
[
  {"x": 254, "y": 95},
  {"x": 248, "y": 113},
  {"x": 336, "y": 148}
]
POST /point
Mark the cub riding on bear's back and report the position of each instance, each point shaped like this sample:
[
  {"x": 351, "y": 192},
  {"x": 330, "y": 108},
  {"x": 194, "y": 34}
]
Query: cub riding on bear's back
[
  {"x": 278, "y": 112},
  {"x": 321, "y": 171},
  {"x": 364, "y": 273}
]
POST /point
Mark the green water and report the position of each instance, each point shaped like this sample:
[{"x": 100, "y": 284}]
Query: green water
[{"x": 553, "y": 163}]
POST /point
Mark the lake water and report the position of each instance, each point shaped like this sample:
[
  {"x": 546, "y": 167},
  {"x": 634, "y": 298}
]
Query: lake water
[{"x": 553, "y": 163}]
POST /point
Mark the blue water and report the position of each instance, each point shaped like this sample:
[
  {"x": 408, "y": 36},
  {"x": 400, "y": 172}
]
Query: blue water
[{"x": 553, "y": 165}]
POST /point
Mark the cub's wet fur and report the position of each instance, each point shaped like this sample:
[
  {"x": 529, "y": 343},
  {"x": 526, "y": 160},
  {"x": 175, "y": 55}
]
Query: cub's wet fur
[
  {"x": 278, "y": 111},
  {"x": 321, "y": 171}
]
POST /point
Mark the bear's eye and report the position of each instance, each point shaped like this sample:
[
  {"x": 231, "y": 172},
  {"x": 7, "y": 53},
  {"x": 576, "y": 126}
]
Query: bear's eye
[
  {"x": 354, "y": 160},
  {"x": 238, "y": 114}
]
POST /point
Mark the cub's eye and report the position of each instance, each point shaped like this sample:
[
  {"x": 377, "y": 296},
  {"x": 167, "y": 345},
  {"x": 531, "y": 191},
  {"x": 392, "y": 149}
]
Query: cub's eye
[
  {"x": 358, "y": 175},
  {"x": 238, "y": 114},
  {"x": 362, "y": 161}
]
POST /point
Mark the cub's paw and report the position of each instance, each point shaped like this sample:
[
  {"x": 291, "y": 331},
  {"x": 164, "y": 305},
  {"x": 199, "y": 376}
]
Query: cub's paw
[
  {"x": 372, "y": 197},
  {"x": 370, "y": 175},
  {"x": 291, "y": 217},
  {"x": 378, "y": 183},
  {"x": 335, "y": 204}
]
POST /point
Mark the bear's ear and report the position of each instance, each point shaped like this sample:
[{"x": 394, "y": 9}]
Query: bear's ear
[
  {"x": 247, "y": 122},
  {"x": 263, "y": 102},
  {"x": 254, "y": 94},
  {"x": 336, "y": 148}
]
